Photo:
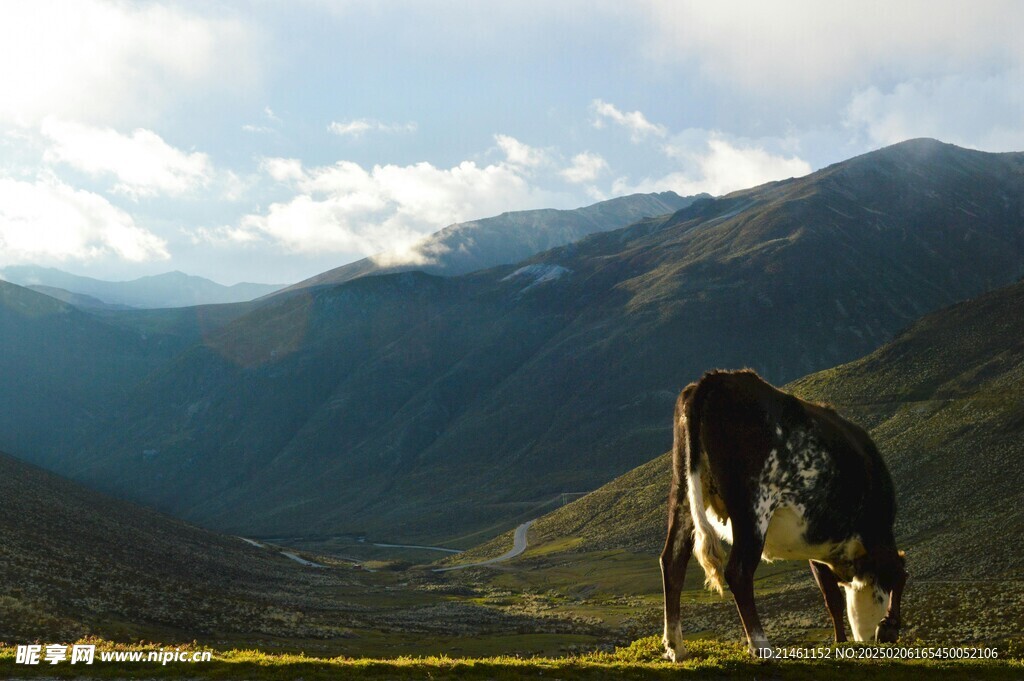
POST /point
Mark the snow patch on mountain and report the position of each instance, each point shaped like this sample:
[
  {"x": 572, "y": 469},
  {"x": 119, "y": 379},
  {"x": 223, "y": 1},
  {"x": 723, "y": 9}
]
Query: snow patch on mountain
[{"x": 538, "y": 274}]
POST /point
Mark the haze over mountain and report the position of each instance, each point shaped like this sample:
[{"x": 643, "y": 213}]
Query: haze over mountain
[
  {"x": 422, "y": 408},
  {"x": 507, "y": 238},
  {"x": 61, "y": 367},
  {"x": 172, "y": 289}
]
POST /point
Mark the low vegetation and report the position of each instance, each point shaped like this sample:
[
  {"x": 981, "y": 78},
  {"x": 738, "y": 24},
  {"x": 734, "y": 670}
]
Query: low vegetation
[{"x": 639, "y": 660}]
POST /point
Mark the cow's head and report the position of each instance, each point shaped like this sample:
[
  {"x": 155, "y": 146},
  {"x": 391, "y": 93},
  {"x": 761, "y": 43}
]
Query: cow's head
[{"x": 873, "y": 596}]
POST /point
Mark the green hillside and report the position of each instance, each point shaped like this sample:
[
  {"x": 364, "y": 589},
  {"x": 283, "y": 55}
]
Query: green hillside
[
  {"x": 423, "y": 409},
  {"x": 944, "y": 403}
]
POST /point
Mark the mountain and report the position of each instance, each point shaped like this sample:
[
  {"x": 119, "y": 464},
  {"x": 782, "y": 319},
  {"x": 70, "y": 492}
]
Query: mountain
[
  {"x": 61, "y": 367},
  {"x": 79, "y": 300},
  {"x": 172, "y": 289},
  {"x": 508, "y": 238},
  {"x": 427, "y": 408}
]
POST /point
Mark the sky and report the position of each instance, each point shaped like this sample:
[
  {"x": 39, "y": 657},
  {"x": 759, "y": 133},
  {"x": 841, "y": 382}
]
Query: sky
[{"x": 269, "y": 141}]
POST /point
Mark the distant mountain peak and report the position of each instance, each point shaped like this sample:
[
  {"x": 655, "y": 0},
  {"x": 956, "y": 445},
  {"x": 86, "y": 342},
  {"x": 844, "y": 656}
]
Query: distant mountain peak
[
  {"x": 511, "y": 237},
  {"x": 169, "y": 289}
]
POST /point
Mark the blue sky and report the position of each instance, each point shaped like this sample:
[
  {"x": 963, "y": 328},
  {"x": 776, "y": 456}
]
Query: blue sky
[{"x": 268, "y": 141}]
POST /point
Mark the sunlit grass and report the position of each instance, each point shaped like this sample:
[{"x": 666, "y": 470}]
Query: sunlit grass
[{"x": 639, "y": 660}]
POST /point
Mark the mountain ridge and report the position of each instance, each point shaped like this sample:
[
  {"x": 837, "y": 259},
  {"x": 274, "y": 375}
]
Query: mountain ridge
[
  {"x": 507, "y": 238},
  {"x": 444, "y": 406},
  {"x": 170, "y": 289}
]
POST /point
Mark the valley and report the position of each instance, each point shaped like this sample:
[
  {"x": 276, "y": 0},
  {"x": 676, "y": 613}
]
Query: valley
[{"x": 410, "y": 464}]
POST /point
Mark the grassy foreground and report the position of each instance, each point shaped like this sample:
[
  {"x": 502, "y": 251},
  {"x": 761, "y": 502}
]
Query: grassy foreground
[{"x": 640, "y": 660}]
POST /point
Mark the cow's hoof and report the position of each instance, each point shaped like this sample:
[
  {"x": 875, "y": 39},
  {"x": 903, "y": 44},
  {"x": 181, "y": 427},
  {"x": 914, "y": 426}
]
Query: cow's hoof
[
  {"x": 759, "y": 647},
  {"x": 887, "y": 631}
]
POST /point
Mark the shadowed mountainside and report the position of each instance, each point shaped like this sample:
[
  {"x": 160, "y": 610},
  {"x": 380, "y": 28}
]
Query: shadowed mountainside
[
  {"x": 61, "y": 366},
  {"x": 421, "y": 408}
]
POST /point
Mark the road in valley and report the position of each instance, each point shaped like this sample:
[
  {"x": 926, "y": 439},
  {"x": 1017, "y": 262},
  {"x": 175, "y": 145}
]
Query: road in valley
[{"x": 518, "y": 546}]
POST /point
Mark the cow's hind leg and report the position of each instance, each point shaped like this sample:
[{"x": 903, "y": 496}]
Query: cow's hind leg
[
  {"x": 835, "y": 600},
  {"x": 748, "y": 543},
  {"x": 674, "y": 557}
]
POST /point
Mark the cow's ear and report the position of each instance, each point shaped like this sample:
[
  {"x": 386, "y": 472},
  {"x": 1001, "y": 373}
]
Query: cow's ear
[{"x": 902, "y": 554}]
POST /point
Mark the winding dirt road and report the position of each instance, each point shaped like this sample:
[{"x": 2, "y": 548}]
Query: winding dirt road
[{"x": 518, "y": 546}]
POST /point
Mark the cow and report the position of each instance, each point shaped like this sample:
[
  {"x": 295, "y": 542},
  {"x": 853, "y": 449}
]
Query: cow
[{"x": 779, "y": 478}]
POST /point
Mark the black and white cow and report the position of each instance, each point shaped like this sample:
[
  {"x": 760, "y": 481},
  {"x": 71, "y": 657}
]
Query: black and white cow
[{"x": 779, "y": 478}]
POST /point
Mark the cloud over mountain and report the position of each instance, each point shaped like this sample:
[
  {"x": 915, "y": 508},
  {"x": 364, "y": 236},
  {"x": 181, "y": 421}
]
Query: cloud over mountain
[{"x": 47, "y": 220}]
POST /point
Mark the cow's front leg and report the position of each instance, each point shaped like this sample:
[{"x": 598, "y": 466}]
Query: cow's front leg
[
  {"x": 888, "y": 630},
  {"x": 835, "y": 601}
]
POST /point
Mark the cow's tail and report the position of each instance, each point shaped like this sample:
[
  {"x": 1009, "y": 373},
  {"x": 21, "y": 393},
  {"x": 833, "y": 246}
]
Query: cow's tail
[{"x": 707, "y": 546}]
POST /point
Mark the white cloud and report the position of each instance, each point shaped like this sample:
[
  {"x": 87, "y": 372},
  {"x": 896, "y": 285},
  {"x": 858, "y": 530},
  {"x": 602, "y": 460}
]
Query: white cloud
[
  {"x": 271, "y": 117},
  {"x": 520, "y": 154},
  {"x": 586, "y": 167},
  {"x": 142, "y": 162},
  {"x": 634, "y": 121},
  {"x": 283, "y": 169},
  {"x": 811, "y": 47},
  {"x": 95, "y": 60},
  {"x": 46, "y": 220},
  {"x": 717, "y": 166},
  {"x": 346, "y": 208},
  {"x": 982, "y": 112},
  {"x": 360, "y": 126}
]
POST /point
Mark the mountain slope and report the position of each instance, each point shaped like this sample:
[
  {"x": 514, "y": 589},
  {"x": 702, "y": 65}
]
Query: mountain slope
[
  {"x": 74, "y": 562},
  {"x": 943, "y": 402},
  {"x": 171, "y": 289},
  {"x": 505, "y": 239},
  {"x": 423, "y": 408},
  {"x": 61, "y": 367}
]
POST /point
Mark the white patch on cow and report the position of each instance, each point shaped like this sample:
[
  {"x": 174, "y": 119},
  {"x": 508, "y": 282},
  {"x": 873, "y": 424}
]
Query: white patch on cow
[
  {"x": 759, "y": 645},
  {"x": 785, "y": 538},
  {"x": 781, "y": 517},
  {"x": 865, "y": 606},
  {"x": 673, "y": 640},
  {"x": 723, "y": 530},
  {"x": 809, "y": 475},
  {"x": 769, "y": 493}
]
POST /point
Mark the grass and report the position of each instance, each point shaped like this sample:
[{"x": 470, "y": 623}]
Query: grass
[{"x": 639, "y": 660}]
